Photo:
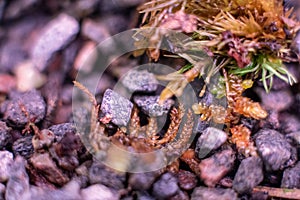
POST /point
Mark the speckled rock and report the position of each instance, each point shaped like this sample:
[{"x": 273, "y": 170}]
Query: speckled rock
[
  {"x": 99, "y": 192},
  {"x": 291, "y": 177},
  {"x": 5, "y": 137},
  {"x": 166, "y": 186},
  {"x": 17, "y": 186},
  {"x": 211, "y": 139},
  {"x": 150, "y": 105},
  {"x": 140, "y": 81},
  {"x": 142, "y": 181},
  {"x": 214, "y": 168},
  {"x": 99, "y": 173},
  {"x": 186, "y": 180},
  {"x": 249, "y": 174},
  {"x": 31, "y": 101},
  {"x": 274, "y": 149},
  {"x": 53, "y": 38},
  {"x": 23, "y": 147},
  {"x": 60, "y": 130},
  {"x": 116, "y": 108},
  {"x": 6, "y": 161},
  {"x": 47, "y": 167},
  {"x": 204, "y": 193}
]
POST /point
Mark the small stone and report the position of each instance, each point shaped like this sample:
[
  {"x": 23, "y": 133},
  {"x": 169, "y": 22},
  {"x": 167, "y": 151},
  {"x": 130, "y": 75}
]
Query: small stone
[
  {"x": 95, "y": 31},
  {"x": 99, "y": 173},
  {"x": 53, "y": 38},
  {"x": 23, "y": 147},
  {"x": 273, "y": 148},
  {"x": 180, "y": 195},
  {"x": 60, "y": 130},
  {"x": 116, "y": 108},
  {"x": 211, "y": 139},
  {"x": 17, "y": 9},
  {"x": 294, "y": 138},
  {"x": 143, "y": 195},
  {"x": 30, "y": 102},
  {"x": 214, "y": 168},
  {"x": 142, "y": 181},
  {"x": 5, "y": 137},
  {"x": 6, "y": 161},
  {"x": 291, "y": 177},
  {"x": 115, "y": 23},
  {"x": 17, "y": 186},
  {"x": 150, "y": 105},
  {"x": 204, "y": 193},
  {"x": 249, "y": 174},
  {"x": 186, "y": 180},
  {"x": 166, "y": 186},
  {"x": 86, "y": 58},
  {"x": 289, "y": 123},
  {"x": 140, "y": 81},
  {"x": 99, "y": 192},
  {"x": 47, "y": 167},
  {"x": 7, "y": 83},
  {"x": 275, "y": 100}
]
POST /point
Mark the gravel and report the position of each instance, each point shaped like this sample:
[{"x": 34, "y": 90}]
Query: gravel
[
  {"x": 165, "y": 187},
  {"x": 249, "y": 174},
  {"x": 273, "y": 148},
  {"x": 5, "y": 137},
  {"x": 6, "y": 161},
  {"x": 60, "y": 130},
  {"x": 142, "y": 181},
  {"x": 30, "y": 102},
  {"x": 187, "y": 180},
  {"x": 204, "y": 193},
  {"x": 23, "y": 147},
  {"x": 211, "y": 139},
  {"x": 116, "y": 108},
  {"x": 99, "y": 192},
  {"x": 291, "y": 177}
]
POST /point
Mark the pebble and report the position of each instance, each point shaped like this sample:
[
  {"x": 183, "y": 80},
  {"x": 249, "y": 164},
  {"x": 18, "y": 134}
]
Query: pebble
[
  {"x": 273, "y": 148},
  {"x": 17, "y": 186},
  {"x": 46, "y": 166},
  {"x": 249, "y": 174},
  {"x": 99, "y": 173},
  {"x": 140, "y": 81},
  {"x": 143, "y": 195},
  {"x": 18, "y": 8},
  {"x": 32, "y": 102},
  {"x": 7, "y": 83},
  {"x": 186, "y": 180},
  {"x": 5, "y": 137},
  {"x": 291, "y": 177},
  {"x": 211, "y": 139},
  {"x": 275, "y": 100},
  {"x": 116, "y": 108},
  {"x": 99, "y": 192},
  {"x": 180, "y": 195},
  {"x": 60, "y": 130},
  {"x": 53, "y": 38},
  {"x": 151, "y": 107},
  {"x": 6, "y": 161},
  {"x": 23, "y": 147},
  {"x": 214, "y": 168},
  {"x": 95, "y": 31},
  {"x": 115, "y": 23},
  {"x": 142, "y": 181},
  {"x": 204, "y": 193},
  {"x": 289, "y": 123},
  {"x": 166, "y": 186}
]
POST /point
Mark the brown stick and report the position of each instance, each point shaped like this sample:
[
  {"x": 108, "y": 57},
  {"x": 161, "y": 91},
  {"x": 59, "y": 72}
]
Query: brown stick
[{"x": 279, "y": 192}]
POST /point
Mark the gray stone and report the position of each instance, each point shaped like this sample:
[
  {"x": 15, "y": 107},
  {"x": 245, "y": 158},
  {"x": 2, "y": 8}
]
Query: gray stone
[
  {"x": 99, "y": 192},
  {"x": 249, "y": 174},
  {"x": 291, "y": 177},
  {"x": 31, "y": 102},
  {"x": 5, "y": 137},
  {"x": 6, "y": 161},
  {"x": 23, "y": 147},
  {"x": 150, "y": 105},
  {"x": 56, "y": 35},
  {"x": 116, "y": 108},
  {"x": 18, "y": 183},
  {"x": 142, "y": 181},
  {"x": 204, "y": 193},
  {"x": 2, "y": 191},
  {"x": 166, "y": 186},
  {"x": 273, "y": 148},
  {"x": 211, "y": 139},
  {"x": 60, "y": 130},
  {"x": 140, "y": 81},
  {"x": 214, "y": 168},
  {"x": 95, "y": 31}
]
